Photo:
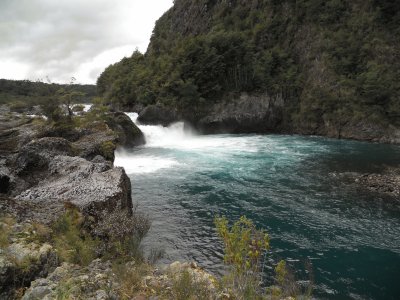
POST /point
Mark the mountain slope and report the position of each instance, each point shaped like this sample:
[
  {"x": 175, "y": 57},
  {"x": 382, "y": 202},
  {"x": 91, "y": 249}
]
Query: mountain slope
[{"x": 313, "y": 66}]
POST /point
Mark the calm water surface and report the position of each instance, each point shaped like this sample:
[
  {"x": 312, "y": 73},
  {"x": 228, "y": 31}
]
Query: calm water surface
[{"x": 298, "y": 188}]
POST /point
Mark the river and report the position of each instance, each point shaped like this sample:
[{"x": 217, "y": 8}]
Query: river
[{"x": 297, "y": 188}]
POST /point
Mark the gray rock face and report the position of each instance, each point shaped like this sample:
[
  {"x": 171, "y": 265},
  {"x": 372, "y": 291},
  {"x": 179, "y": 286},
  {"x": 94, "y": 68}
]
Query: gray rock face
[
  {"x": 129, "y": 135},
  {"x": 244, "y": 115},
  {"x": 158, "y": 115},
  {"x": 90, "y": 186},
  {"x": 37, "y": 154},
  {"x": 362, "y": 130},
  {"x": 367, "y": 132}
]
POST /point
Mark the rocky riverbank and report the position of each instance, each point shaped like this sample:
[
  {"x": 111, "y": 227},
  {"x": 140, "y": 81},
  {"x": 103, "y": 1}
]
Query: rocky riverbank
[
  {"x": 68, "y": 229},
  {"x": 46, "y": 168}
]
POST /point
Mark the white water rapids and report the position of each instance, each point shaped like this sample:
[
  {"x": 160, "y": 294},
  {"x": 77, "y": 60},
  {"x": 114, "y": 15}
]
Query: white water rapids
[{"x": 156, "y": 137}]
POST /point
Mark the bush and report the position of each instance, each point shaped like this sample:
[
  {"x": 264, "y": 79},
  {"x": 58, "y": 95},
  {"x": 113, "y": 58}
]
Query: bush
[
  {"x": 72, "y": 243},
  {"x": 184, "y": 287},
  {"x": 130, "y": 278},
  {"x": 107, "y": 150},
  {"x": 244, "y": 249},
  {"x": 5, "y": 231}
]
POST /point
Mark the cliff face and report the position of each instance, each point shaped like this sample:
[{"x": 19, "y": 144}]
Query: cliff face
[{"x": 333, "y": 64}]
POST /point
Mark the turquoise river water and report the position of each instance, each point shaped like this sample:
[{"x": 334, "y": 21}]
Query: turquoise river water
[{"x": 300, "y": 189}]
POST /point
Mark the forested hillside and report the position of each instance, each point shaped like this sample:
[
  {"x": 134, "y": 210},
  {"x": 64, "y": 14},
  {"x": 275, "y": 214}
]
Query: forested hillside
[
  {"x": 25, "y": 93},
  {"x": 334, "y": 63}
]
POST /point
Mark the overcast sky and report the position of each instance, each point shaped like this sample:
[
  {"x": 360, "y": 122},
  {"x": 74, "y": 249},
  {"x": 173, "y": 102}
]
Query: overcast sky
[{"x": 59, "y": 39}]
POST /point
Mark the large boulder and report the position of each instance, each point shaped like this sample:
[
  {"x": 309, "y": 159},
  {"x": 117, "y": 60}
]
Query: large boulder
[
  {"x": 158, "y": 115},
  {"x": 92, "y": 187},
  {"x": 129, "y": 135}
]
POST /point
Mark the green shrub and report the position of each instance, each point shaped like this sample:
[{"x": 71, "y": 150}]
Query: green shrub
[
  {"x": 244, "y": 249},
  {"x": 107, "y": 150},
  {"x": 4, "y": 236},
  {"x": 6, "y": 222},
  {"x": 184, "y": 287},
  {"x": 130, "y": 278},
  {"x": 72, "y": 243}
]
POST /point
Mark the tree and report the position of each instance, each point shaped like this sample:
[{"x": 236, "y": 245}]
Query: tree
[{"x": 68, "y": 96}]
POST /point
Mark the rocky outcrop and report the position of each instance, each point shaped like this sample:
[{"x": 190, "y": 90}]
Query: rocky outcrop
[
  {"x": 99, "y": 281},
  {"x": 49, "y": 171},
  {"x": 24, "y": 259},
  {"x": 92, "y": 187},
  {"x": 361, "y": 130},
  {"x": 387, "y": 182},
  {"x": 246, "y": 114},
  {"x": 40, "y": 177},
  {"x": 129, "y": 135},
  {"x": 158, "y": 115},
  {"x": 93, "y": 282}
]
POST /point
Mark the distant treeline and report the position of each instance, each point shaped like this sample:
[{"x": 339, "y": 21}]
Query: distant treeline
[{"x": 22, "y": 93}]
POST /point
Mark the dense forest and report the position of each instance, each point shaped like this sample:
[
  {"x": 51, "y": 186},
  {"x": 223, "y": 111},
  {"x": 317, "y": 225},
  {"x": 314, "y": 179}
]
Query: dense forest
[
  {"x": 23, "y": 94},
  {"x": 332, "y": 61}
]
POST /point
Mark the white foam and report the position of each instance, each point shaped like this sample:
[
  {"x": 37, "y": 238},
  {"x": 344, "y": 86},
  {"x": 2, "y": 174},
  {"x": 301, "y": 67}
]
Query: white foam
[
  {"x": 137, "y": 164},
  {"x": 157, "y": 136},
  {"x": 86, "y": 107}
]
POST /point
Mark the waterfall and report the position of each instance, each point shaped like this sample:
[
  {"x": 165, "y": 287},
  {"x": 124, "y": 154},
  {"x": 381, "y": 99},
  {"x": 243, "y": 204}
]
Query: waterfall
[
  {"x": 158, "y": 136},
  {"x": 147, "y": 159}
]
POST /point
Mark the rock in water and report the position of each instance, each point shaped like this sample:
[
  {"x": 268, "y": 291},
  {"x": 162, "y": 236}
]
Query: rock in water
[
  {"x": 157, "y": 115},
  {"x": 129, "y": 135}
]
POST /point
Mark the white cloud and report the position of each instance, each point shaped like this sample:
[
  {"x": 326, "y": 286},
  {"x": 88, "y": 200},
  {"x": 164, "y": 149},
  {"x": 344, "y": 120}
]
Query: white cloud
[{"x": 66, "y": 38}]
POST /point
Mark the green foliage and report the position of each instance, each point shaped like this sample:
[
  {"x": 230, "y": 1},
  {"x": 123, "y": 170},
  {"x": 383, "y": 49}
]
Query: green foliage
[
  {"x": 51, "y": 109},
  {"x": 73, "y": 244},
  {"x": 244, "y": 248},
  {"x": 130, "y": 278},
  {"x": 332, "y": 61},
  {"x": 4, "y": 235},
  {"x": 24, "y": 94},
  {"x": 244, "y": 244},
  {"x": 64, "y": 290},
  {"x": 184, "y": 287},
  {"x": 69, "y": 96},
  {"x": 281, "y": 272},
  {"x": 107, "y": 150},
  {"x": 5, "y": 231}
]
